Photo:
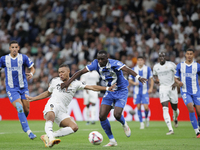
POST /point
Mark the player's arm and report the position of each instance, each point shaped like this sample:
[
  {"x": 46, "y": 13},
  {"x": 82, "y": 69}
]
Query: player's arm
[
  {"x": 132, "y": 82},
  {"x": 177, "y": 81},
  {"x": 130, "y": 71},
  {"x": 75, "y": 76},
  {"x": 156, "y": 80},
  {"x": 100, "y": 88},
  {"x": 39, "y": 97},
  {"x": 31, "y": 73},
  {"x": 151, "y": 86}
]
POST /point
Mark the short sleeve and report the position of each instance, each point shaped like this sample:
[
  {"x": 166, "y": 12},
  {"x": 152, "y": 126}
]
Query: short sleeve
[
  {"x": 51, "y": 86},
  {"x": 28, "y": 61},
  {"x": 0, "y": 62},
  {"x": 117, "y": 64},
  {"x": 173, "y": 66},
  {"x": 177, "y": 74},
  {"x": 198, "y": 69},
  {"x": 92, "y": 66},
  {"x": 150, "y": 75},
  {"x": 154, "y": 71}
]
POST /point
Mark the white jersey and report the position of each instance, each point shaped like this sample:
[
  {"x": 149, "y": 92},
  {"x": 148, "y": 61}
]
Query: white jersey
[
  {"x": 165, "y": 73},
  {"x": 90, "y": 78},
  {"x": 61, "y": 96}
]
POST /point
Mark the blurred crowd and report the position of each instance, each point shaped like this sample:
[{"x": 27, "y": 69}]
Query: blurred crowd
[{"x": 53, "y": 32}]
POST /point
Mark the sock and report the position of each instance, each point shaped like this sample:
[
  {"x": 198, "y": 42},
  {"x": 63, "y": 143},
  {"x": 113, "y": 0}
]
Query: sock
[
  {"x": 175, "y": 114},
  {"x": 106, "y": 126},
  {"x": 93, "y": 113},
  {"x": 23, "y": 121},
  {"x": 63, "y": 132},
  {"x": 146, "y": 113},
  {"x": 139, "y": 115},
  {"x": 26, "y": 114},
  {"x": 167, "y": 118},
  {"x": 122, "y": 120},
  {"x": 193, "y": 121},
  {"x": 87, "y": 114},
  {"x": 49, "y": 129},
  {"x": 199, "y": 121}
]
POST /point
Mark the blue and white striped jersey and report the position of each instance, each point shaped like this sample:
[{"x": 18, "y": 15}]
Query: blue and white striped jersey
[
  {"x": 188, "y": 75},
  {"x": 144, "y": 72},
  {"x": 15, "y": 71},
  {"x": 111, "y": 73}
]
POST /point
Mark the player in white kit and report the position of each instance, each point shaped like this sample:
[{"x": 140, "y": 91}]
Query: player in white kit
[
  {"x": 90, "y": 97},
  {"x": 163, "y": 73},
  {"x": 57, "y": 106}
]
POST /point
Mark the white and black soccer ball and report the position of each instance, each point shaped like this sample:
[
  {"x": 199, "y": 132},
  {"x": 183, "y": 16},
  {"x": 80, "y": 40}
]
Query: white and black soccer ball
[{"x": 95, "y": 138}]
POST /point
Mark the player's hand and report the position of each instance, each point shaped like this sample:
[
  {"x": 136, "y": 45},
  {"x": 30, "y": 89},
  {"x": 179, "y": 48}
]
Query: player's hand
[
  {"x": 29, "y": 75},
  {"x": 136, "y": 83},
  {"x": 143, "y": 80},
  {"x": 156, "y": 81},
  {"x": 150, "y": 91},
  {"x": 29, "y": 98},
  {"x": 63, "y": 85},
  {"x": 111, "y": 88},
  {"x": 174, "y": 86},
  {"x": 180, "y": 83}
]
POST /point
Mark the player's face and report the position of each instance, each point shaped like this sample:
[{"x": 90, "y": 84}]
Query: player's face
[
  {"x": 140, "y": 62},
  {"x": 162, "y": 58},
  {"x": 64, "y": 73},
  {"x": 14, "y": 48},
  {"x": 189, "y": 55},
  {"x": 102, "y": 59}
]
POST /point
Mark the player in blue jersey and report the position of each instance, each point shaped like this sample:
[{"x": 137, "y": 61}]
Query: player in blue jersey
[
  {"x": 16, "y": 82},
  {"x": 111, "y": 72},
  {"x": 188, "y": 72},
  {"x": 141, "y": 91}
]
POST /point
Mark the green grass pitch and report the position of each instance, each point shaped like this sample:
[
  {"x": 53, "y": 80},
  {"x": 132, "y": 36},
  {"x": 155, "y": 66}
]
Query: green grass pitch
[{"x": 152, "y": 138}]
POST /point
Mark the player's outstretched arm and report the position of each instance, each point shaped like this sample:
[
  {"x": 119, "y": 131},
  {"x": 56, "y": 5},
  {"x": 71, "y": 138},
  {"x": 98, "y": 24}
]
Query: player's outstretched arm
[
  {"x": 151, "y": 86},
  {"x": 156, "y": 80},
  {"x": 39, "y": 97},
  {"x": 100, "y": 88},
  {"x": 132, "y": 82},
  {"x": 130, "y": 71},
  {"x": 75, "y": 76}
]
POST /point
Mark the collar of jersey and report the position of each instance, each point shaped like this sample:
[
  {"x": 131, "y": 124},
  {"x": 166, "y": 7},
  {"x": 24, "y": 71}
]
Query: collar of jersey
[
  {"x": 189, "y": 64},
  {"x": 15, "y": 57},
  {"x": 107, "y": 65}
]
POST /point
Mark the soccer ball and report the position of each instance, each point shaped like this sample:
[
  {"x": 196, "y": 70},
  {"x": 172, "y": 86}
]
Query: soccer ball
[{"x": 95, "y": 137}]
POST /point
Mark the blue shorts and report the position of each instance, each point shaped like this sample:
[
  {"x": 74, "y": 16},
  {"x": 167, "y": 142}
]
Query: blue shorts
[
  {"x": 187, "y": 98},
  {"x": 16, "y": 94},
  {"x": 141, "y": 98},
  {"x": 118, "y": 98}
]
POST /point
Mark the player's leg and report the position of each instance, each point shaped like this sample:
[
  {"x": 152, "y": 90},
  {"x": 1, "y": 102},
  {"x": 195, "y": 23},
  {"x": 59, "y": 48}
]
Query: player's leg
[
  {"x": 139, "y": 111},
  {"x": 174, "y": 104},
  {"x": 50, "y": 117},
  {"x": 167, "y": 117},
  {"x": 146, "y": 110},
  {"x": 15, "y": 99},
  {"x": 87, "y": 104},
  {"x": 93, "y": 113},
  {"x": 198, "y": 116},
  {"x": 93, "y": 101},
  {"x": 26, "y": 104}
]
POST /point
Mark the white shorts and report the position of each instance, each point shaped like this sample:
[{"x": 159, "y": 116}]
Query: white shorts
[
  {"x": 167, "y": 94},
  {"x": 60, "y": 113},
  {"x": 90, "y": 97}
]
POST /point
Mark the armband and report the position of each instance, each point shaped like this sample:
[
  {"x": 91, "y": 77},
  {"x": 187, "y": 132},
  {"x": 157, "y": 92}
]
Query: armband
[
  {"x": 137, "y": 77},
  {"x": 107, "y": 88}
]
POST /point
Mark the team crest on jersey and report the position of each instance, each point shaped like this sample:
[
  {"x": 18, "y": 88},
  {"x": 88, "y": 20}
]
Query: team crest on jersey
[
  {"x": 194, "y": 70},
  {"x": 52, "y": 106},
  {"x": 20, "y": 62}
]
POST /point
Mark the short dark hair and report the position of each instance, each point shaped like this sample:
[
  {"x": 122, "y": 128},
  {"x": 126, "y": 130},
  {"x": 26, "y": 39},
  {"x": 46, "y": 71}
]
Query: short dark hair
[
  {"x": 102, "y": 52},
  {"x": 13, "y": 42},
  {"x": 63, "y": 65},
  {"x": 190, "y": 49},
  {"x": 142, "y": 57}
]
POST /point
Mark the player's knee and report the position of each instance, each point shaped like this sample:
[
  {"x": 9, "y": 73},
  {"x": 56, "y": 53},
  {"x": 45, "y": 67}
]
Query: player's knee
[
  {"x": 117, "y": 116},
  {"x": 19, "y": 107},
  {"x": 102, "y": 117},
  {"x": 75, "y": 128}
]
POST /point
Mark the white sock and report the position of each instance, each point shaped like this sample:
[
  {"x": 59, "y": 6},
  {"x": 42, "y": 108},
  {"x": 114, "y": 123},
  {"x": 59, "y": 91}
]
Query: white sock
[
  {"x": 93, "y": 113},
  {"x": 63, "y": 132},
  {"x": 49, "y": 129},
  {"x": 87, "y": 114},
  {"x": 175, "y": 114},
  {"x": 196, "y": 130},
  {"x": 167, "y": 118},
  {"x": 112, "y": 140},
  {"x": 28, "y": 132}
]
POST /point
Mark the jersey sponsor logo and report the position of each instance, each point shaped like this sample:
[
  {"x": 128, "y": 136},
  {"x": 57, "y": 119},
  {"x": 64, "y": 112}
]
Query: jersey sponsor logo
[
  {"x": 14, "y": 68},
  {"x": 198, "y": 98},
  {"x": 63, "y": 90},
  {"x": 188, "y": 75}
]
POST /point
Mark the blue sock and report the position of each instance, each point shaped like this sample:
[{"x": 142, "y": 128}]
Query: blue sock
[
  {"x": 122, "y": 120},
  {"x": 23, "y": 121},
  {"x": 146, "y": 113},
  {"x": 199, "y": 121},
  {"x": 193, "y": 120},
  {"x": 139, "y": 115},
  {"x": 106, "y": 126}
]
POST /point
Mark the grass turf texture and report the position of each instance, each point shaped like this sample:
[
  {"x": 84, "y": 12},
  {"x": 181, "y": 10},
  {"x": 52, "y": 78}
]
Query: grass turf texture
[{"x": 152, "y": 138}]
